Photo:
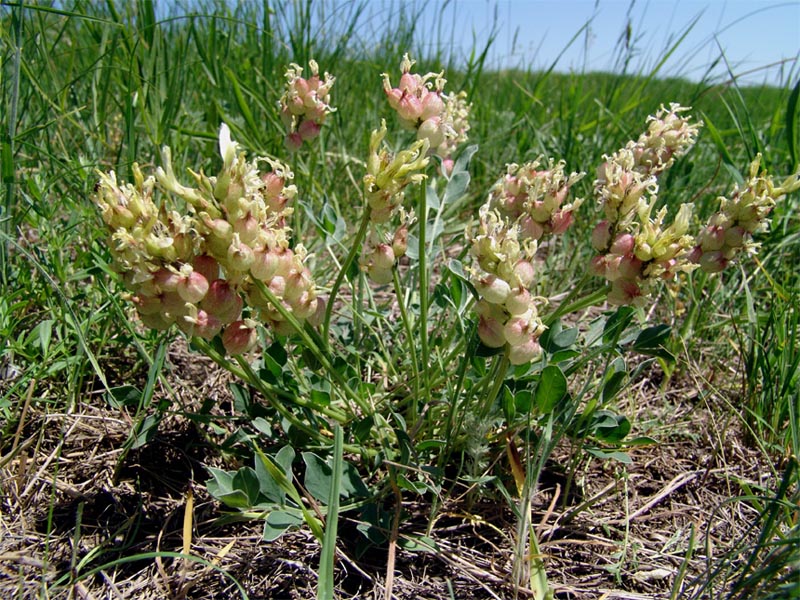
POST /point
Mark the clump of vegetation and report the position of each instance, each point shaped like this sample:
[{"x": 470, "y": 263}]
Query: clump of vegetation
[{"x": 415, "y": 321}]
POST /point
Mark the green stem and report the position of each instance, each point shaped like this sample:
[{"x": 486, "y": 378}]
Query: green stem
[
  {"x": 407, "y": 325},
  {"x": 246, "y": 373},
  {"x": 498, "y": 376},
  {"x": 423, "y": 291},
  {"x": 355, "y": 247},
  {"x": 569, "y": 306},
  {"x": 311, "y": 345}
]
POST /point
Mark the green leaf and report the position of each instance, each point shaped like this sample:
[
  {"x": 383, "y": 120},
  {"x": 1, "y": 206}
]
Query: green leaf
[
  {"x": 523, "y": 401},
  {"x": 420, "y": 543},
  {"x": 124, "y": 395},
  {"x": 267, "y": 485},
  {"x": 462, "y": 162},
  {"x": 552, "y": 387},
  {"x": 642, "y": 440},
  {"x": 617, "y": 323},
  {"x": 509, "y": 406},
  {"x": 222, "y": 487},
  {"x": 318, "y": 476},
  {"x": 147, "y": 430},
  {"x": 278, "y": 522},
  {"x": 652, "y": 338},
  {"x": 247, "y": 481},
  {"x": 610, "y": 427},
  {"x": 612, "y": 387},
  {"x": 456, "y": 187},
  {"x": 617, "y": 455},
  {"x": 325, "y": 589}
]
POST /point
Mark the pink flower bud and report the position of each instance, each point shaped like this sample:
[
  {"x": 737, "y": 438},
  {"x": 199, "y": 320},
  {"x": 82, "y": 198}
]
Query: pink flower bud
[
  {"x": 240, "y": 256},
  {"x": 308, "y": 130},
  {"x": 165, "y": 280},
  {"x": 408, "y": 83},
  {"x": 695, "y": 254},
  {"x": 629, "y": 267},
  {"x": 297, "y": 283},
  {"x": 447, "y": 166},
  {"x": 247, "y": 227},
  {"x": 530, "y": 228},
  {"x": 393, "y": 96},
  {"x": 316, "y": 319},
  {"x": 304, "y": 306},
  {"x": 525, "y": 352},
  {"x": 601, "y": 236},
  {"x": 222, "y": 302},
  {"x": 735, "y": 237},
  {"x": 400, "y": 241},
  {"x": 239, "y": 337},
  {"x": 383, "y": 257},
  {"x": 206, "y": 326},
  {"x": 598, "y": 265},
  {"x": 265, "y": 265},
  {"x": 494, "y": 289},
  {"x": 273, "y": 185},
  {"x": 193, "y": 287},
  {"x": 561, "y": 221},
  {"x": 409, "y": 108},
  {"x": 518, "y": 329},
  {"x": 431, "y": 129},
  {"x": 712, "y": 238},
  {"x": 379, "y": 276},
  {"x": 490, "y": 331},
  {"x": 293, "y": 141},
  {"x": 207, "y": 266},
  {"x": 713, "y": 262},
  {"x": 518, "y": 301},
  {"x": 623, "y": 292},
  {"x": 432, "y": 106},
  {"x": 277, "y": 286},
  {"x": 525, "y": 273},
  {"x": 623, "y": 244}
]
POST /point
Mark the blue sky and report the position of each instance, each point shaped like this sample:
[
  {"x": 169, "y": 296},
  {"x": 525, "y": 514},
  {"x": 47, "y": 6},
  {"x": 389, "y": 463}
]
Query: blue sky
[{"x": 760, "y": 38}]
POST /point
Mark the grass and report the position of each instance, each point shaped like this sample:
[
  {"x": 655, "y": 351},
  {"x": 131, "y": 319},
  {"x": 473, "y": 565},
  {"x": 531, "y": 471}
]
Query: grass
[{"x": 90, "y": 86}]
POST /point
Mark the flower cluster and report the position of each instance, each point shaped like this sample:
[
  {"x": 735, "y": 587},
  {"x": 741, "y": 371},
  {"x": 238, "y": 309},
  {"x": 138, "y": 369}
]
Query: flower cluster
[
  {"x": 305, "y": 104},
  {"x": 422, "y": 106},
  {"x": 385, "y": 182},
  {"x": 381, "y": 252},
  {"x": 194, "y": 270},
  {"x": 635, "y": 249},
  {"x": 503, "y": 277},
  {"x": 536, "y": 198},
  {"x": 730, "y": 230}
]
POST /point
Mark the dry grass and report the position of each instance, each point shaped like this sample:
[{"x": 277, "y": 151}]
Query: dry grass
[{"x": 71, "y": 492}]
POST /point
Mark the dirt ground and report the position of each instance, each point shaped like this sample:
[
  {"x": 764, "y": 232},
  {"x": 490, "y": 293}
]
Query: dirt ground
[{"x": 75, "y": 499}]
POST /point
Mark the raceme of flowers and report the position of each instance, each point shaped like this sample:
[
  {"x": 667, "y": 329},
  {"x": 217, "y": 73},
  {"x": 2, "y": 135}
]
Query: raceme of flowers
[
  {"x": 305, "y": 104},
  {"x": 196, "y": 269},
  {"x": 635, "y": 248},
  {"x": 213, "y": 256},
  {"x": 523, "y": 206},
  {"x": 422, "y": 106},
  {"x": 730, "y": 230}
]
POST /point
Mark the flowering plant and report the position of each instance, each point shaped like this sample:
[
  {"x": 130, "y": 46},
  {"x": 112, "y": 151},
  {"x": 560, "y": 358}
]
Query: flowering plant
[{"x": 217, "y": 259}]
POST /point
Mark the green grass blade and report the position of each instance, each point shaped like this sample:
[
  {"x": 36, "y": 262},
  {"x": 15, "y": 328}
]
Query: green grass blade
[
  {"x": 791, "y": 122},
  {"x": 328, "y": 554}
]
